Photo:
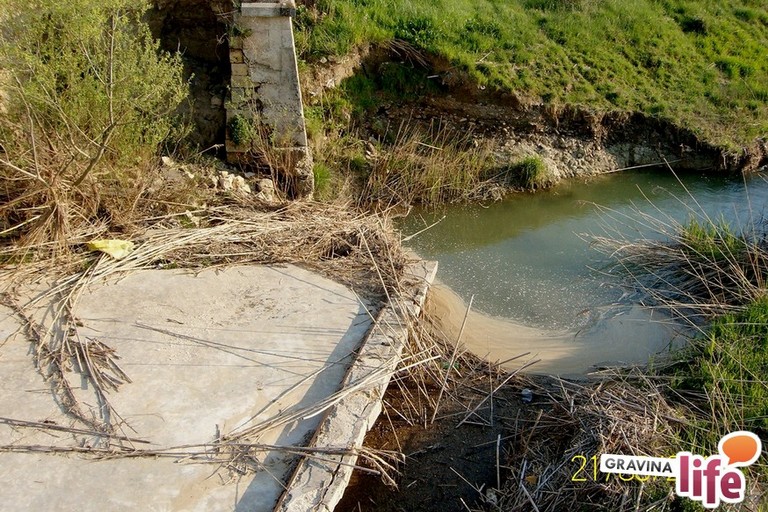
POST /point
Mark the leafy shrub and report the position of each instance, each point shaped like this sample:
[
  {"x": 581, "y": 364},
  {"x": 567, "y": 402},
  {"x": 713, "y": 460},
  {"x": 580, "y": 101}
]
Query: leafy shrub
[
  {"x": 90, "y": 98},
  {"x": 241, "y": 130}
]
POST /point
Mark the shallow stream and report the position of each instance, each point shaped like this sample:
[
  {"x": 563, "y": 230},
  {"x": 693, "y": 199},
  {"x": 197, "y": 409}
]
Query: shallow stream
[{"x": 535, "y": 281}]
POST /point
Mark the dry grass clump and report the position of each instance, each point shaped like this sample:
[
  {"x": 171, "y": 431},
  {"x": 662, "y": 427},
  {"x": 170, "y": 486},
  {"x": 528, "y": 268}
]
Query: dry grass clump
[
  {"x": 628, "y": 417},
  {"x": 428, "y": 166},
  {"x": 341, "y": 243},
  {"x": 697, "y": 269}
]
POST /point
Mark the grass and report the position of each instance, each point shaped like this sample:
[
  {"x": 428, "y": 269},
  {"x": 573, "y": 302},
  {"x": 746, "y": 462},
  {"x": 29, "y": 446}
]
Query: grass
[
  {"x": 713, "y": 277},
  {"x": 407, "y": 164},
  {"x": 531, "y": 172},
  {"x": 701, "y": 65},
  {"x": 715, "y": 240},
  {"x": 730, "y": 364},
  {"x": 430, "y": 166}
]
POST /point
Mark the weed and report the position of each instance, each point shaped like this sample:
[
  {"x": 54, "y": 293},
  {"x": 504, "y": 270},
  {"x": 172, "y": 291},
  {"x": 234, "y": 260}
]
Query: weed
[{"x": 530, "y": 172}]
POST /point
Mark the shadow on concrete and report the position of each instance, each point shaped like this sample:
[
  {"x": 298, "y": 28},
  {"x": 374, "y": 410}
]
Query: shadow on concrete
[{"x": 325, "y": 383}]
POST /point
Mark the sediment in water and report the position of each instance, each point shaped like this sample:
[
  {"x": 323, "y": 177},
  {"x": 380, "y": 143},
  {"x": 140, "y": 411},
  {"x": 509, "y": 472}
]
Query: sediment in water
[{"x": 625, "y": 335}]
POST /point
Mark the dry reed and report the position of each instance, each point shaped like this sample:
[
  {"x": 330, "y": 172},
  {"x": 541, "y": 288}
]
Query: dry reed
[
  {"x": 355, "y": 248},
  {"x": 622, "y": 415}
]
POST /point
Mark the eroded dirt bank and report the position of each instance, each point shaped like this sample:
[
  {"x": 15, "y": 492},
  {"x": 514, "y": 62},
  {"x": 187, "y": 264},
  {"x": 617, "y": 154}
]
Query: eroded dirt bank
[{"x": 571, "y": 140}]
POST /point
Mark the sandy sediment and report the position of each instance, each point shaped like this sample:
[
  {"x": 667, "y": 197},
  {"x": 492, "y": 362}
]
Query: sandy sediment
[{"x": 625, "y": 335}]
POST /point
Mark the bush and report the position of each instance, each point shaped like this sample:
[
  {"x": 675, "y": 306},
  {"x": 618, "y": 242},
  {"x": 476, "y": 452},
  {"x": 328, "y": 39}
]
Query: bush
[
  {"x": 89, "y": 99},
  {"x": 531, "y": 172}
]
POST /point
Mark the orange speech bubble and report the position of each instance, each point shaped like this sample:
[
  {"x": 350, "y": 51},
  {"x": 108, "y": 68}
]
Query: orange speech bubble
[{"x": 742, "y": 448}]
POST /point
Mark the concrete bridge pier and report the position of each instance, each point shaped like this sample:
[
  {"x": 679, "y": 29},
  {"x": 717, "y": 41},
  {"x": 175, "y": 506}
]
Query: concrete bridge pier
[{"x": 265, "y": 114}]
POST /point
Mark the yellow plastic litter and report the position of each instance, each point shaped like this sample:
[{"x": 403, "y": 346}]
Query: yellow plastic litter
[{"x": 118, "y": 249}]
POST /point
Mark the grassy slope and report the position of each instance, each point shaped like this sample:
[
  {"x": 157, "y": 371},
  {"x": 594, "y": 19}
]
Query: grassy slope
[{"x": 703, "y": 65}]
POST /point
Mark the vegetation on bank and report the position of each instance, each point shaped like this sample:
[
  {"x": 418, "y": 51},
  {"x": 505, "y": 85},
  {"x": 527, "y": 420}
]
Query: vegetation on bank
[
  {"x": 88, "y": 99},
  {"x": 715, "y": 277},
  {"x": 701, "y": 65}
]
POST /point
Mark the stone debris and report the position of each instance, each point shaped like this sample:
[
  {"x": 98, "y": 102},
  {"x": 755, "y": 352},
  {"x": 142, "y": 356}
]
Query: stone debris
[
  {"x": 526, "y": 395},
  {"x": 266, "y": 190},
  {"x": 229, "y": 182}
]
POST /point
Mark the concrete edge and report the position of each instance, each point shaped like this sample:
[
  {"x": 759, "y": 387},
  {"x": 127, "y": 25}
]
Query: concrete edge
[
  {"x": 268, "y": 10},
  {"x": 320, "y": 485}
]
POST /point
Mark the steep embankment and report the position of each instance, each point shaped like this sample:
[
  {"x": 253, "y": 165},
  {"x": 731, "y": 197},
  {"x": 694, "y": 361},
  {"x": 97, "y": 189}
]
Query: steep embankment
[{"x": 587, "y": 86}]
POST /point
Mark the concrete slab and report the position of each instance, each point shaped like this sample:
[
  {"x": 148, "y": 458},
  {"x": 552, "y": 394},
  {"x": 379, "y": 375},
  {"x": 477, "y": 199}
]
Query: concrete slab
[
  {"x": 208, "y": 354},
  {"x": 319, "y": 485}
]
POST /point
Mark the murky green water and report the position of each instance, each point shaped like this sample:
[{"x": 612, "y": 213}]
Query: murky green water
[{"x": 526, "y": 258}]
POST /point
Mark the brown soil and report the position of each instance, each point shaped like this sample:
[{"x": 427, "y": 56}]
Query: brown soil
[{"x": 447, "y": 468}]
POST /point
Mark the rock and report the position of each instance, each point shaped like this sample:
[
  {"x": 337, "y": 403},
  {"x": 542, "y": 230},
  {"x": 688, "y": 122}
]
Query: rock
[
  {"x": 167, "y": 161},
  {"x": 266, "y": 190},
  {"x": 216, "y": 102},
  {"x": 239, "y": 185},
  {"x": 526, "y": 395},
  {"x": 225, "y": 181},
  {"x": 230, "y": 183}
]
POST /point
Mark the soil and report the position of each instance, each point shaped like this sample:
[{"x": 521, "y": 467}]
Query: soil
[{"x": 447, "y": 467}]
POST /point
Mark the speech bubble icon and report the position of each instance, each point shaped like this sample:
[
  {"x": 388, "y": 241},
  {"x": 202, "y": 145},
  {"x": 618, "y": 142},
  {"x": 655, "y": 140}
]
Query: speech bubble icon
[{"x": 742, "y": 448}]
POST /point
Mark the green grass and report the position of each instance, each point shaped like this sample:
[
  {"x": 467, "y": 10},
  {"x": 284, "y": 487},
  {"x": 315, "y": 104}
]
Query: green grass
[
  {"x": 531, "y": 172},
  {"x": 727, "y": 369},
  {"x": 714, "y": 241},
  {"x": 701, "y": 65}
]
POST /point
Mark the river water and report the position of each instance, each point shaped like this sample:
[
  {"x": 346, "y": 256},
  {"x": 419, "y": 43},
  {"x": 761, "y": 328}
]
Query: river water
[{"x": 535, "y": 281}]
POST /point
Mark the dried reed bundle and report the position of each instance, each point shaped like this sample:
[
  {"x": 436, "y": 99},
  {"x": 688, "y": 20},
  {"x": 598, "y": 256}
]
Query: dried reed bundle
[{"x": 628, "y": 415}]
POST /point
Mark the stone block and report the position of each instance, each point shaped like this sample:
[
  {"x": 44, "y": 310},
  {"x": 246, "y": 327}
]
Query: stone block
[
  {"x": 240, "y": 95},
  {"x": 236, "y": 56},
  {"x": 233, "y": 148},
  {"x": 240, "y": 81},
  {"x": 239, "y": 69}
]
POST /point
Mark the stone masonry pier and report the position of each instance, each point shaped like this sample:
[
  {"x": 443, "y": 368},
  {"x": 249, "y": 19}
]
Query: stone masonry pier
[{"x": 264, "y": 108}]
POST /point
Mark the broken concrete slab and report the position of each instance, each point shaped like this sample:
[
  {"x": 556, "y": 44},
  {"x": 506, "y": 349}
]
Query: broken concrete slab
[
  {"x": 208, "y": 354},
  {"x": 319, "y": 485}
]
